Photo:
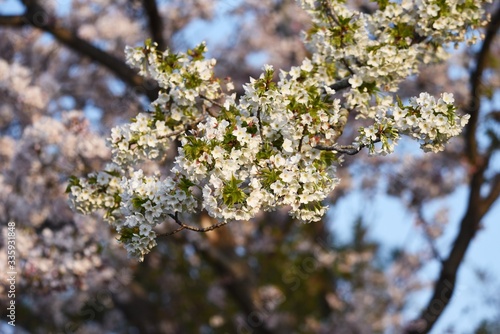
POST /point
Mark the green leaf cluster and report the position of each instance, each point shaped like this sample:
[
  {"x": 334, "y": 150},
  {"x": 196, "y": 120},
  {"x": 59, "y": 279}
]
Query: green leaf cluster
[
  {"x": 72, "y": 181},
  {"x": 194, "y": 147},
  {"x": 232, "y": 194}
]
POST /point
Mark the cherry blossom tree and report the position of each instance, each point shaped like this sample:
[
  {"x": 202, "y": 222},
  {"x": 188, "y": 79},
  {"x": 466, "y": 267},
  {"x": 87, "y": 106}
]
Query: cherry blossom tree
[{"x": 196, "y": 146}]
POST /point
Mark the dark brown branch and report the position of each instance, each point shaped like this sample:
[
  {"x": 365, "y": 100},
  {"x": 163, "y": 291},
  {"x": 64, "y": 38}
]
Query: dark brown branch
[
  {"x": 175, "y": 217},
  {"x": 475, "y": 83},
  {"x": 39, "y": 18},
  {"x": 212, "y": 101},
  {"x": 13, "y": 21},
  {"x": 155, "y": 23},
  {"x": 342, "y": 84},
  {"x": 477, "y": 206},
  {"x": 170, "y": 233},
  {"x": 344, "y": 149}
]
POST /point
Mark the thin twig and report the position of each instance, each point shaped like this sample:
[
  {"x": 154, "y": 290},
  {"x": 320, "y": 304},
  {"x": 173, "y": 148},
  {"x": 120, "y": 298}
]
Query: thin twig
[
  {"x": 474, "y": 106},
  {"x": 211, "y": 113},
  {"x": 171, "y": 232},
  {"x": 330, "y": 14},
  {"x": 185, "y": 128},
  {"x": 211, "y": 101},
  {"x": 344, "y": 149},
  {"x": 175, "y": 217},
  {"x": 342, "y": 84}
]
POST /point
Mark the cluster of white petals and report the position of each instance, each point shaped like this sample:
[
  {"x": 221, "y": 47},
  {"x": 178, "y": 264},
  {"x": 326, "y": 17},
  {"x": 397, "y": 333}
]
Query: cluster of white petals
[
  {"x": 253, "y": 158},
  {"x": 277, "y": 144},
  {"x": 430, "y": 122}
]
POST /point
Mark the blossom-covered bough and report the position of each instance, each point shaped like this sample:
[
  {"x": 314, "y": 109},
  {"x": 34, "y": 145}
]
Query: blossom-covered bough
[{"x": 278, "y": 144}]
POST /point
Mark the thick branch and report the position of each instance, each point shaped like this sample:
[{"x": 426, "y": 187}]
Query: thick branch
[
  {"x": 477, "y": 206},
  {"x": 12, "y": 20},
  {"x": 155, "y": 23},
  {"x": 39, "y": 18},
  {"x": 475, "y": 83}
]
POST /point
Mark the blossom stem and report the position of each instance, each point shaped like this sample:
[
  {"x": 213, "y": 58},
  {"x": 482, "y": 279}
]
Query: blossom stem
[
  {"x": 175, "y": 217},
  {"x": 171, "y": 232},
  {"x": 344, "y": 149}
]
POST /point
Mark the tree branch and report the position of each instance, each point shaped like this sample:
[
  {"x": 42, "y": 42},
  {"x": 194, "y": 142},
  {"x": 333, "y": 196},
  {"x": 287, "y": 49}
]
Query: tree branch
[
  {"x": 155, "y": 23},
  {"x": 39, "y": 18},
  {"x": 13, "y": 20},
  {"x": 475, "y": 82},
  {"x": 477, "y": 206},
  {"x": 171, "y": 232},
  {"x": 175, "y": 217},
  {"x": 339, "y": 85},
  {"x": 344, "y": 149}
]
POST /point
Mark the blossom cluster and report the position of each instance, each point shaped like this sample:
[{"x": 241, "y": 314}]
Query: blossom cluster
[
  {"x": 143, "y": 138},
  {"x": 276, "y": 145},
  {"x": 146, "y": 202},
  {"x": 377, "y": 51},
  {"x": 187, "y": 85},
  {"x": 430, "y": 122},
  {"x": 100, "y": 190},
  {"x": 253, "y": 158}
]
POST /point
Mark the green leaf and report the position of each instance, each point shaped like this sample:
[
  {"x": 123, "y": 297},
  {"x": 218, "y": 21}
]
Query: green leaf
[
  {"x": 114, "y": 173},
  {"x": 382, "y": 4},
  {"x": 185, "y": 184},
  {"x": 265, "y": 152},
  {"x": 192, "y": 80},
  {"x": 230, "y": 141},
  {"x": 278, "y": 143},
  {"x": 326, "y": 159},
  {"x": 269, "y": 176},
  {"x": 127, "y": 233},
  {"x": 198, "y": 53},
  {"x": 400, "y": 103},
  {"x": 138, "y": 202},
  {"x": 251, "y": 128},
  {"x": 232, "y": 194},
  {"x": 194, "y": 148},
  {"x": 72, "y": 181}
]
